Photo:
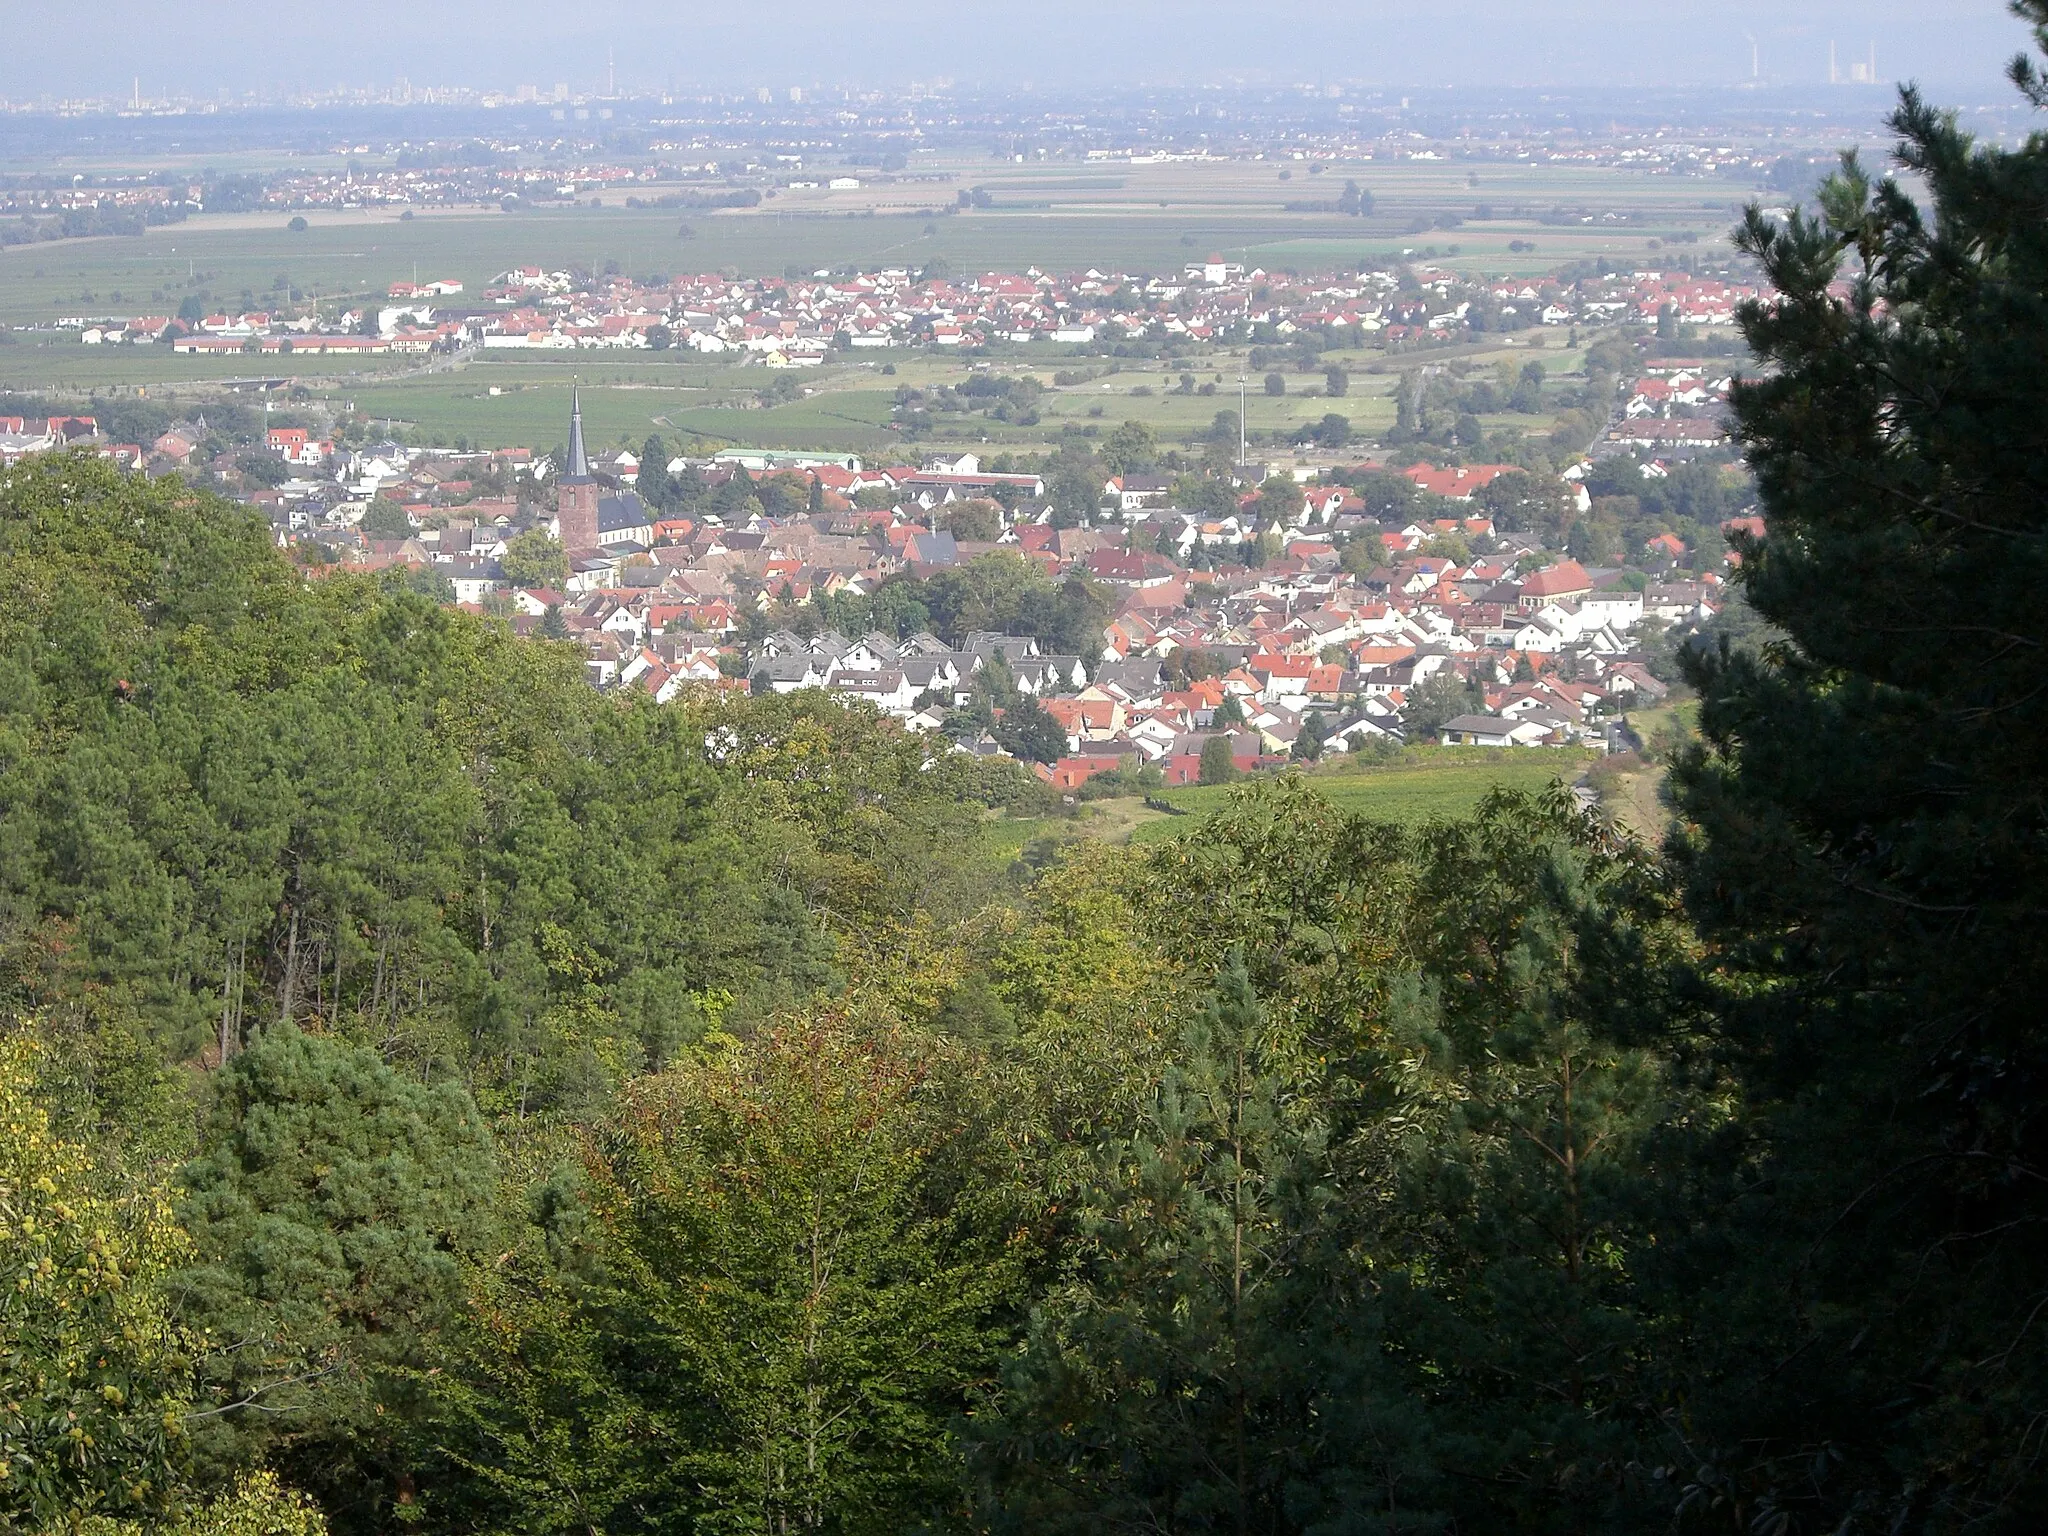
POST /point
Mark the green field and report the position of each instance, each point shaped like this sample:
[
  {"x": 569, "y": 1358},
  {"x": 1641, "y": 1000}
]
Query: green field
[
  {"x": 1430, "y": 782},
  {"x": 849, "y": 407},
  {"x": 1059, "y": 217},
  {"x": 1424, "y": 784},
  {"x": 846, "y": 407},
  {"x": 1141, "y": 218}
]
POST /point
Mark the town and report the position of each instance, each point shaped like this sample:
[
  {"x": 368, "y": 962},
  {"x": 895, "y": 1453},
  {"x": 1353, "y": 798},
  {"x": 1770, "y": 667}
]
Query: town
[
  {"x": 1108, "y": 612},
  {"x": 798, "y": 322}
]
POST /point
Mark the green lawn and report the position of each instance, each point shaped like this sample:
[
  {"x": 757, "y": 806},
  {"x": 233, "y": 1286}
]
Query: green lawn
[
  {"x": 1425, "y": 783},
  {"x": 1428, "y": 783}
]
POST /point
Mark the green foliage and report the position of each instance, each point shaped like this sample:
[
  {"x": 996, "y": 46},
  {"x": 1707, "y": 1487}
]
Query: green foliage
[
  {"x": 257, "y": 1505},
  {"x": 1027, "y": 731},
  {"x": 1280, "y": 501},
  {"x": 1218, "y": 765},
  {"x": 1369, "y": 1254},
  {"x": 801, "y": 1246},
  {"x": 1315, "y": 730},
  {"x": 1864, "y": 849},
  {"x": 330, "y": 1213},
  {"x": 93, "y": 1390},
  {"x": 1163, "y": 1389},
  {"x": 1442, "y": 696},
  {"x": 1524, "y": 503},
  {"x": 535, "y": 559},
  {"x": 1006, "y": 593},
  {"x": 980, "y": 520},
  {"x": 1130, "y": 449},
  {"x": 653, "y": 484},
  {"x": 386, "y": 520}
]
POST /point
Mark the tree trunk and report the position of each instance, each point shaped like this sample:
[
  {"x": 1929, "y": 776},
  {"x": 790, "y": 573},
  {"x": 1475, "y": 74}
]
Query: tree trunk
[
  {"x": 334, "y": 1007},
  {"x": 227, "y": 1004},
  {"x": 377, "y": 985},
  {"x": 287, "y": 998}
]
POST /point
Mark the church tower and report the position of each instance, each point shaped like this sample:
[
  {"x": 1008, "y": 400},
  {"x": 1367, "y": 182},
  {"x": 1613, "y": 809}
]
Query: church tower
[{"x": 576, "y": 492}]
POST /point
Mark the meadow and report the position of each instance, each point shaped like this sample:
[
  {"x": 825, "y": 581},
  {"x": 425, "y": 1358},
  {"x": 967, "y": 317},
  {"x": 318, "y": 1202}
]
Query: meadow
[
  {"x": 1420, "y": 785},
  {"x": 847, "y": 404}
]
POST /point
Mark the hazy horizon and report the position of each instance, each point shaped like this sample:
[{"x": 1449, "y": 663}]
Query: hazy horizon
[{"x": 1957, "y": 48}]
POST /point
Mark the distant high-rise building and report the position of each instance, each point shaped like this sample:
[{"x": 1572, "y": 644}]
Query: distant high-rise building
[
  {"x": 796, "y": 93},
  {"x": 764, "y": 95},
  {"x": 561, "y": 91}
]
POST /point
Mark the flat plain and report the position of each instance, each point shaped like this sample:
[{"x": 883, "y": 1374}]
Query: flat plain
[
  {"x": 1061, "y": 217},
  {"x": 1145, "y": 218}
]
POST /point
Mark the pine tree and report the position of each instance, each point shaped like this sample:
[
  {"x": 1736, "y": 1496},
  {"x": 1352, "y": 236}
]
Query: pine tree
[
  {"x": 330, "y": 1212},
  {"x": 1215, "y": 1366},
  {"x": 1868, "y": 848},
  {"x": 653, "y": 483}
]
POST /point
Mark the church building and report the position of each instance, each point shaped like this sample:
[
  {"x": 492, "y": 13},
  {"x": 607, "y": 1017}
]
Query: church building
[{"x": 593, "y": 514}]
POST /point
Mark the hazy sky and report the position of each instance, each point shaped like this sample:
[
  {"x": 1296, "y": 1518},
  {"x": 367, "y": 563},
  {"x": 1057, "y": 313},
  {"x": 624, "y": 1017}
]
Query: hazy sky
[{"x": 1959, "y": 45}]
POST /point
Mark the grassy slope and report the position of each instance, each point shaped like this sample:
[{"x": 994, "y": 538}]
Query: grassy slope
[
  {"x": 1425, "y": 783},
  {"x": 1631, "y": 790}
]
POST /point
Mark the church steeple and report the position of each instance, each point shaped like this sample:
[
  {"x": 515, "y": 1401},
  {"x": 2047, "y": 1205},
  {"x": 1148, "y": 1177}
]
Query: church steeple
[
  {"x": 579, "y": 465},
  {"x": 577, "y": 493}
]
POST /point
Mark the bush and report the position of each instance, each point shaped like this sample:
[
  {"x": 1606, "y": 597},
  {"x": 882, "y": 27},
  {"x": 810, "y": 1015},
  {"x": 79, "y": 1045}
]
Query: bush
[{"x": 1219, "y": 764}]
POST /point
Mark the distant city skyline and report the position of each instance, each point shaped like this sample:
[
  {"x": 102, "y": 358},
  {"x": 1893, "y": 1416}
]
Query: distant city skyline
[{"x": 185, "y": 49}]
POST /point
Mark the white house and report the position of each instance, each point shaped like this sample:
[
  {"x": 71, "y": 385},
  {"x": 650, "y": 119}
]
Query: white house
[{"x": 1490, "y": 731}]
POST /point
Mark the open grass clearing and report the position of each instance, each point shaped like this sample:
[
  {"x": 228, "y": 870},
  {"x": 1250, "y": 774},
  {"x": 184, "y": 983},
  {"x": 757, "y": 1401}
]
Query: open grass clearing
[{"x": 1422, "y": 784}]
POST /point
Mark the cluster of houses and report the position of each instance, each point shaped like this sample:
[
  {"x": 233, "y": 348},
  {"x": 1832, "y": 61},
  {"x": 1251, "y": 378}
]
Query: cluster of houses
[
  {"x": 793, "y": 322},
  {"x": 1550, "y": 652},
  {"x": 21, "y": 436},
  {"x": 1678, "y": 408}
]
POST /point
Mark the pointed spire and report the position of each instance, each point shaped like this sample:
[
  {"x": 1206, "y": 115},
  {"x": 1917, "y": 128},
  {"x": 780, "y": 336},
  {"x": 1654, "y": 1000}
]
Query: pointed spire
[{"x": 579, "y": 466}]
